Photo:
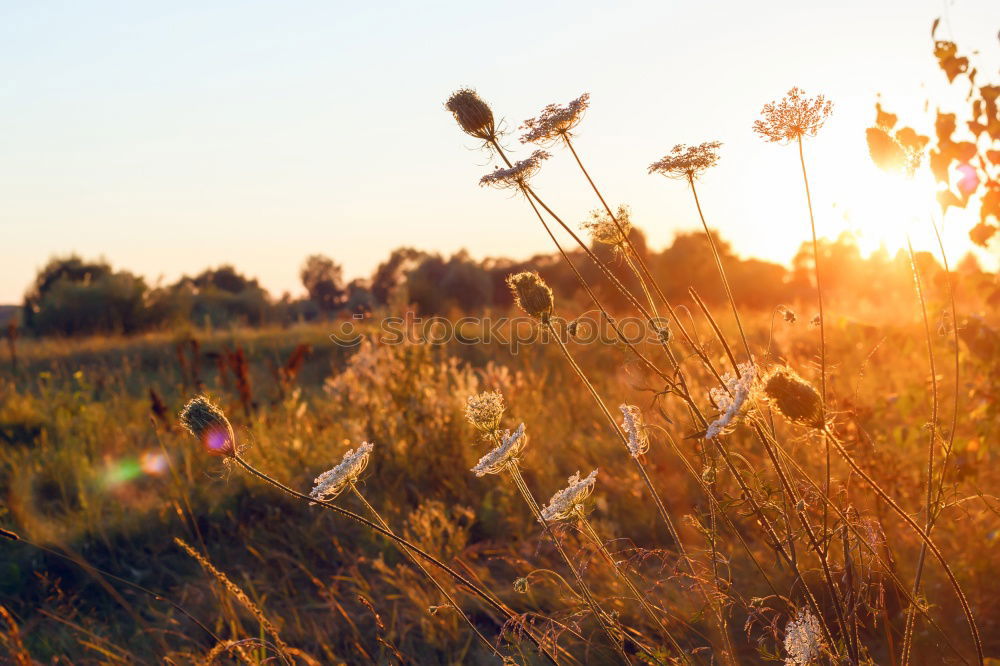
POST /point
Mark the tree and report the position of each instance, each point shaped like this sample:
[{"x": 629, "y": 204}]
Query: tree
[{"x": 324, "y": 280}]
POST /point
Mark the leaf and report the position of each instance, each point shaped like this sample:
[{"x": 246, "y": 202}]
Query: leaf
[
  {"x": 884, "y": 119},
  {"x": 885, "y": 151},
  {"x": 981, "y": 234}
]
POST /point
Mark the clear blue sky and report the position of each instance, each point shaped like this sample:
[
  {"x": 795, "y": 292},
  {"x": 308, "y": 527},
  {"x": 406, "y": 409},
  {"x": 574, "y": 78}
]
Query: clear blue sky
[{"x": 170, "y": 136}]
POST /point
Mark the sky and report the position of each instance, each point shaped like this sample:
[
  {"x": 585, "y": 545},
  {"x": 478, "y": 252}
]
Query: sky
[{"x": 167, "y": 137}]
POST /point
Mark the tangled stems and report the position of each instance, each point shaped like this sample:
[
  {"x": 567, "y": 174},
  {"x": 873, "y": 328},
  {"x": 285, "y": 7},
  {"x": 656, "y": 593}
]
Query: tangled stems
[
  {"x": 515, "y": 475},
  {"x": 375, "y": 514},
  {"x": 482, "y": 594}
]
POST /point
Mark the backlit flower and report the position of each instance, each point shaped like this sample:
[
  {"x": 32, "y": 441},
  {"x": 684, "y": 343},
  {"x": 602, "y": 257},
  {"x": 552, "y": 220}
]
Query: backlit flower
[
  {"x": 332, "y": 482},
  {"x": 484, "y": 410},
  {"x": 802, "y": 639},
  {"x": 555, "y": 121},
  {"x": 473, "y": 115},
  {"x": 209, "y": 424},
  {"x": 603, "y": 229},
  {"x": 794, "y": 116},
  {"x": 517, "y": 175},
  {"x": 506, "y": 454},
  {"x": 684, "y": 162},
  {"x": 731, "y": 401},
  {"x": 635, "y": 430},
  {"x": 565, "y": 502}
]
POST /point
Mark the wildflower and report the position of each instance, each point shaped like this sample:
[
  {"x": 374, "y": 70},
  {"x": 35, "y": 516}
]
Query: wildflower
[
  {"x": 474, "y": 115},
  {"x": 687, "y": 162},
  {"x": 516, "y": 176},
  {"x": 731, "y": 401},
  {"x": 794, "y": 397},
  {"x": 209, "y": 424},
  {"x": 497, "y": 460},
  {"x": 565, "y": 502},
  {"x": 555, "y": 121},
  {"x": 603, "y": 229},
  {"x": 802, "y": 639},
  {"x": 332, "y": 482},
  {"x": 638, "y": 438},
  {"x": 531, "y": 294},
  {"x": 793, "y": 117},
  {"x": 484, "y": 410},
  {"x": 521, "y": 585}
]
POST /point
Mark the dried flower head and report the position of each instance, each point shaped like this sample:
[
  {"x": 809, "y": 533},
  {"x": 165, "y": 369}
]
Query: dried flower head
[
  {"x": 635, "y": 429},
  {"x": 506, "y": 454},
  {"x": 793, "y": 397},
  {"x": 516, "y": 176},
  {"x": 531, "y": 294},
  {"x": 209, "y": 425},
  {"x": 332, "y": 482},
  {"x": 802, "y": 639},
  {"x": 687, "y": 162},
  {"x": 474, "y": 115},
  {"x": 565, "y": 502},
  {"x": 730, "y": 401},
  {"x": 603, "y": 229},
  {"x": 484, "y": 410},
  {"x": 793, "y": 117},
  {"x": 555, "y": 121}
]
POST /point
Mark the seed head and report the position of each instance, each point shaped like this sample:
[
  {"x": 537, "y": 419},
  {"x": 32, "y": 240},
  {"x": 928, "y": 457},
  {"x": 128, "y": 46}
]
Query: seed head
[
  {"x": 603, "y": 229},
  {"x": 802, "y": 639},
  {"x": 209, "y": 425},
  {"x": 484, "y": 410},
  {"x": 687, "y": 162},
  {"x": 517, "y": 176},
  {"x": 794, "y": 116},
  {"x": 730, "y": 401},
  {"x": 635, "y": 429},
  {"x": 794, "y": 397},
  {"x": 555, "y": 121},
  {"x": 506, "y": 454},
  {"x": 473, "y": 115},
  {"x": 332, "y": 482},
  {"x": 531, "y": 294},
  {"x": 565, "y": 502}
]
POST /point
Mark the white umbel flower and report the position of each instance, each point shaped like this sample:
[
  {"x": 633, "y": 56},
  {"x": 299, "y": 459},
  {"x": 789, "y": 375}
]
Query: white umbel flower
[
  {"x": 332, "y": 482},
  {"x": 638, "y": 438},
  {"x": 731, "y": 402},
  {"x": 563, "y": 504},
  {"x": 802, "y": 639},
  {"x": 497, "y": 460}
]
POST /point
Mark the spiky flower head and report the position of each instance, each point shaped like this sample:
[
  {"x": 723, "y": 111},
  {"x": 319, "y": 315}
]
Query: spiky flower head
[
  {"x": 794, "y": 397},
  {"x": 555, "y": 121},
  {"x": 484, "y": 410},
  {"x": 635, "y": 430},
  {"x": 210, "y": 426},
  {"x": 793, "y": 117},
  {"x": 516, "y": 176},
  {"x": 730, "y": 400},
  {"x": 497, "y": 460},
  {"x": 531, "y": 294},
  {"x": 603, "y": 229},
  {"x": 566, "y": 501},
  {"x": 687, "y": 162},
  {"x": 473, "y": 115},
  {"x": 332, "y": 482},
  {"x": 803, "y": 639}
]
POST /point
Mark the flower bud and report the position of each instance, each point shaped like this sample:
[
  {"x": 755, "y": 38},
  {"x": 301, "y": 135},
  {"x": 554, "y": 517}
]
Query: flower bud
[
  {"x": 209, "y": 424},
  {"x": 472, "y": 113},
  {"x": 794, "y": 397}
]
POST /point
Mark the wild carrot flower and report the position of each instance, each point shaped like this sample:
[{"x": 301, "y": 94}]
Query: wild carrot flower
[
  {"x": 332, "y": 482},
  {"x": 802, "y": 639},
  {"x": 635, "y": 429},
  {"x": 531, "y": 294},
  {"x": 684, "y": 162},
  {"x": 731, "y": 401},
  {"x": 793, "y": 397},
  {"x": 209, "y": 425},
  {"x": 602, "y": 228},
  {"x": 516, "y": 176},
  {"x": 793, "y": 117},
  {"x": 555, "y": 121},
  {"x": 473, "y": 115},
  {"x": 484, "y": 410},
  {"x": 565, "y": 502},
  {"x": 505, "y": 454}
]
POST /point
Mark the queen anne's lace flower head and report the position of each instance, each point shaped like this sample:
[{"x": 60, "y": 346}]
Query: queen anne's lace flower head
[
  {"x": 602, "y": 228},
  {"x": 555, "y": 121},
  {"x": 802, "y": 639},
  {"x": 564, "y": 503},
  {"x": 506, "y": 454},
  {"x": 794, "y": 116},
  {"x": 472, "y": 114},
  {"x": 684, "y": 162},
  {"x": 484, "y": 410},
  {"x": 517, "y": 175},
  {"x": 332, "y": 482},
  {"x": 635, "y": 430},
  {"x": 731, "y": 402},
  {"x": 209, "y": 424}
]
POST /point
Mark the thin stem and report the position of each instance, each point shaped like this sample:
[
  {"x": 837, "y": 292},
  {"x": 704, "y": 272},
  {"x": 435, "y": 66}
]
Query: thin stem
[{"x": 447, "y": 595}]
